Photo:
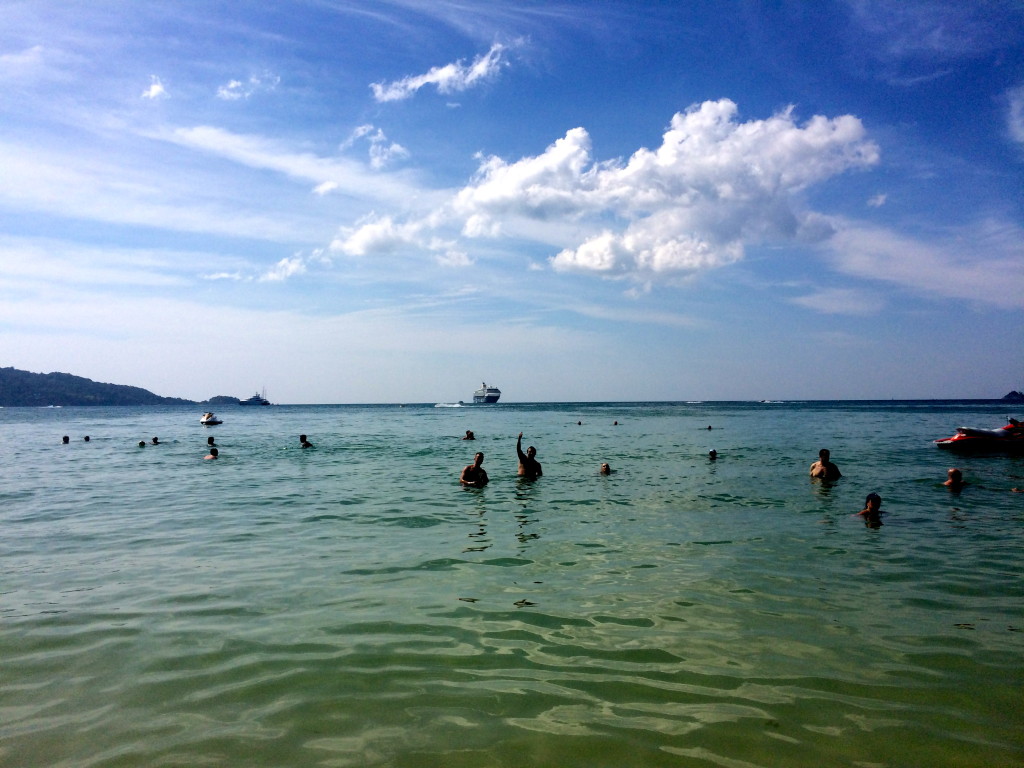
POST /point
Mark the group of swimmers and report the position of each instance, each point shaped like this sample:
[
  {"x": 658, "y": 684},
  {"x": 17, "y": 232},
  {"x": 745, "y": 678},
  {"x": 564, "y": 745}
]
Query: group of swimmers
[
  {"x": 475, "y": 476},
  {"x": 211, "y": 444},
  {"x": 825, "y": 469}
]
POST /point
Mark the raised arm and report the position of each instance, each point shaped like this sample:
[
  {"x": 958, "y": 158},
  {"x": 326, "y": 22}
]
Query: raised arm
[{"x": 519, "y": 449}]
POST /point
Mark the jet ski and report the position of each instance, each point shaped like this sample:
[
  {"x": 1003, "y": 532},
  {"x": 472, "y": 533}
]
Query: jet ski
[
  {"x": 1008, "y": 438},
  {"x": 210, "y": 420}
]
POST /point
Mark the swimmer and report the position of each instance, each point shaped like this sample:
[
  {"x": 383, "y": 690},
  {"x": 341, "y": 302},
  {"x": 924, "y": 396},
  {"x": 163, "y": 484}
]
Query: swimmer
[
  {"x": 86, "y": 438},
  {"x": 954, "y": 479},
  {"x": 605, "y": 469},
  {"x": 872, "y": 512},
  {"x": 304, "y": 443},
  {"x": 474, "y": 475},
  {"x": 824, "y": 468},
  {"x": 213, "y": 454},
  {"x": 65, "y": 439},
  {"x": 469, "y": 435},
  {"x": 529, "y": 467},
  {"x": 156, "y": 441},
  {"x": 709, "y": 427},
  {"x": 713, "y": 454},
  {"x": 210, "y": 442},
  {"x": 142, "y": 443}
]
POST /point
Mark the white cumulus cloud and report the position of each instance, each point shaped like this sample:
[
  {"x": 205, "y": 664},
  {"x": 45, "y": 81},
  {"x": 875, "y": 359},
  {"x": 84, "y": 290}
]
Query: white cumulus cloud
[
  {"x": 376, "y": 235},
  {"x": 714, "y": 185},
  {"x": 449, "y": 78},
  {"x": 156, "y": 89}
]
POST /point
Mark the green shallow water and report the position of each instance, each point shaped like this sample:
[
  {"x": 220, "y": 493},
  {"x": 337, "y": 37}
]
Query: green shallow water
[{"x": 352, "y": 605}]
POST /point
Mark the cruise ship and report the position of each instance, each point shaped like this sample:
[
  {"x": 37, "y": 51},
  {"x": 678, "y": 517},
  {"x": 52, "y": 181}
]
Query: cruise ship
[{"x": 486, "y": 394}]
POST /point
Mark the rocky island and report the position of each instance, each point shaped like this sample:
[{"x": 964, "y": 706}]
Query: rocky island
[{"x": 27, "y": 389}]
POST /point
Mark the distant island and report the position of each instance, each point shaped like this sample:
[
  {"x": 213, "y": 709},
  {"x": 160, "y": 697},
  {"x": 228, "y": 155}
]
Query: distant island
[
  {"x": 1014, "y": 396},
  {"x": 26, "y": 389}
]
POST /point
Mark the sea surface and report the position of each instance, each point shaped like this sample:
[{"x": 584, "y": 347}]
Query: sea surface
[{"x": 352, "y": 605}]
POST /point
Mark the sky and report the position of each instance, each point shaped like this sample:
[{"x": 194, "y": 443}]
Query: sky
[{"x": 348, "y": 201}]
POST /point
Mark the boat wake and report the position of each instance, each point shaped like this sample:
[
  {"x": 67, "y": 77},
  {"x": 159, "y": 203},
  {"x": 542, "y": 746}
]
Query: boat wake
[{"x": 448, "y": 405}]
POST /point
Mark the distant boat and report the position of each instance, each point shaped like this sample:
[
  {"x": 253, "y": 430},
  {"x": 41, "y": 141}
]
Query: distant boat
[
  {"x": 256, "y": 399},
  {"x": 209, "y": 420},
  {"x": 486, "y": 394}
]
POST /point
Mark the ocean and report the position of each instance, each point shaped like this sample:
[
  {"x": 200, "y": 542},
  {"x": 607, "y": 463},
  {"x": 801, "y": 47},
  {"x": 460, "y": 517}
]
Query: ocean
[{"x": 353, "y": 605}]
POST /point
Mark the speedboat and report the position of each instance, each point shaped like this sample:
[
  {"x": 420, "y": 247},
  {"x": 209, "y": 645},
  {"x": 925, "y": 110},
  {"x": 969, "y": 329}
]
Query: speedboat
[
  {"x": 209, "y": 420},
  {"x": 486, "y": 394},
  {"x": 1007, "y": 438}
]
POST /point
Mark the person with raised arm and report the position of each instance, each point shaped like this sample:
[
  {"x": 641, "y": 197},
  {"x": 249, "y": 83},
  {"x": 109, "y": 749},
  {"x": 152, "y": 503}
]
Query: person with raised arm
[{"x": 529, "y": 467}]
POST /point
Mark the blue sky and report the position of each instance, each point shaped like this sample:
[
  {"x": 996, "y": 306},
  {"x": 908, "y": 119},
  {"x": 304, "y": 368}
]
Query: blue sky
[{"x": 394, "y": 201}]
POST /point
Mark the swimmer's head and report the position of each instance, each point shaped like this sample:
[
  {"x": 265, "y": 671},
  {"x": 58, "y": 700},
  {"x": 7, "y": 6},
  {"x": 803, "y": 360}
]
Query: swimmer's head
[
  {"x": 605, "y": 469},
  {"x": 873, "y": 501},
  {"x": 142, "y": 443}
]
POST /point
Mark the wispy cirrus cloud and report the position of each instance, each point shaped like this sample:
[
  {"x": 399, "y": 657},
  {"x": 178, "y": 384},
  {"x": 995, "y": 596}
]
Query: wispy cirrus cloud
[
  {"x": 382, "y": 151},
  {"x": 448, "y": 78},
  {"x": 981, "y": 262},
  {"x": 327, "y": 173},
  {"x": 235, "y": 90},
  {"x": 841, "y": 301},
  {"x": 1015, "y": 114}
]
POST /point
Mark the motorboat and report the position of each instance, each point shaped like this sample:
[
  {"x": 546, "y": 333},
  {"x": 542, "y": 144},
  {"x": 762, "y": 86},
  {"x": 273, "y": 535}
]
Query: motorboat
[
  {"x": 256, "y": 399},
  {"x": 210, "y": 420},
  {"x": 969, "y": 439},
  {"x": 486, "y": 394}
]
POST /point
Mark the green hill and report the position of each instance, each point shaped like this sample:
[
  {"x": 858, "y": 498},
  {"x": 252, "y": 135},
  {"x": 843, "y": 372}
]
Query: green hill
[{"x": 23, "y": 388}]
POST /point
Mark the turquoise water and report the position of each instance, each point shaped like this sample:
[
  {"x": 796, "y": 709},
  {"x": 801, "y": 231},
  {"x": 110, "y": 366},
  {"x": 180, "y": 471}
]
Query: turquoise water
[{"x": 352, "y": 605}]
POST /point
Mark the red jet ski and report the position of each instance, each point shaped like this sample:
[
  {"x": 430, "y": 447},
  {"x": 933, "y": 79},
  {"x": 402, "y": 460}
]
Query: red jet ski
[{"x": 1008, "y": 438}]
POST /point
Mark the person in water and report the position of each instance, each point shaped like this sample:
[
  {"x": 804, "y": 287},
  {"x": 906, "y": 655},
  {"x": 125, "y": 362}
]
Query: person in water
[
  {"x": 529, "y": 467},
  {"x": 954, "y": 479},
  {"x": 469, "y": 435},
  {"x": 65, "y": 439},
  {"x": 606, "y": 469},
  {"x": 213, "y": 454},
  {"x": 824, "y": 468},
  {"x": 156, "y": 441},
  {"x": 86, "y": 438},
  {"x": 142, "y": 443},
  {"x": 712, "y": 454},
  {"x": 304, "y": 443},
  {"x": 210, "y": 442},
  {"x": 474, "y": 475},
  {"x": 872, "y": 512}
]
